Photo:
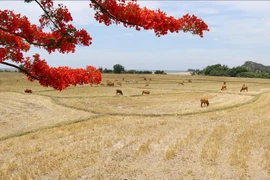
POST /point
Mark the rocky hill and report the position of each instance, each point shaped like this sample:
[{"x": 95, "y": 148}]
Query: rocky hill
[{"x": 255, "y": 67}]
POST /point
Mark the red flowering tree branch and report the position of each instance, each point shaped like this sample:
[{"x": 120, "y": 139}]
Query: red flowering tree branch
[
  {"x": 131, "y": 15},
  {"x": 17, "y": 35}
]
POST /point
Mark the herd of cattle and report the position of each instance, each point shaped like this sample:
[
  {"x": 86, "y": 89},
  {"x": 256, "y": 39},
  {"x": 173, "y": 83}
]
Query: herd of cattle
[{"x": 204, "y": 100}]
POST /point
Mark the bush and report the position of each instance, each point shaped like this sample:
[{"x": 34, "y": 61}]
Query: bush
[{"x": 159, "y": 72}]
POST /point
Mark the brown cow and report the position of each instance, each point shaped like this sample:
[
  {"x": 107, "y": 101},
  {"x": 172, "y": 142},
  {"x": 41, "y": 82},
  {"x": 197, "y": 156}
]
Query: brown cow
[
  {"x": 28, "y": 91},
  {"x": 244, "y": 88},
  {"x": 181, "y": 83},
  {"x": 110, "y": 83},
  {"x": 145, "y": 92},
  {"x": 204, "y": 101},
  {"x": 118, "y": 91},
  {"x": 190, "y": 80},
  {"x": 224, "y": 87}
]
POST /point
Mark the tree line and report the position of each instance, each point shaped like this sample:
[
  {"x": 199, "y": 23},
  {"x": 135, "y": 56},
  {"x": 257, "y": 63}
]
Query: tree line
[
  {"x": 120, "y": 69},
  {"x": 239, "y": 71}
]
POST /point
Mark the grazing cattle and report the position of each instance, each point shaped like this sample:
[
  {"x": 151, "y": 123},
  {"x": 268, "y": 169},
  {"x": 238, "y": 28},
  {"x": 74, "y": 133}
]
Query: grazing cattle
[
  {"x": 224, "y": 87},
  {"x": 145, "y": 79},
  {"x": 244, "y": 88},
  {"x": 204, "y": 101},
  {"x": 118, "y": 91},
  {"x": 181, "y": 83},
  {"x": 190, "y": 81},
  {"x": 110, "y": 83},
  {"x": 145, "y": 92},
  {"x": 28, "y": 91}
]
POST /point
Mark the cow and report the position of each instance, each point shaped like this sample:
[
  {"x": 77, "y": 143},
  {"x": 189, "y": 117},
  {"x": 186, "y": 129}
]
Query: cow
[
  {"x": 244, "y": 88},
  {"x": 110, "y": 83},
  {"x": 204, "y": 101},
  {"x": 145, "y": 92},
  {"x": 224, "y": 87},
  {"x": 190, "y": 80},
  {"x": 181, "y": 83},
  {"x": 118, "y": 91},
  {"x": 28, "y": 91}
]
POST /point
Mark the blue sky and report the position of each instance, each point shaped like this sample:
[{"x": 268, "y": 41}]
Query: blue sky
[{"x": 239, "y": 31}]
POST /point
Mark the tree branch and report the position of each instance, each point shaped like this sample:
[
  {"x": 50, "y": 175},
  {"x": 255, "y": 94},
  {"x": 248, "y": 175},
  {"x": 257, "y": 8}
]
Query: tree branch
[
  {"x": 25, "y": 38},
  {"x": 47, "y": 13},
  {"x": 103, "y": 9},
  {"x": 21, "y": 69}
]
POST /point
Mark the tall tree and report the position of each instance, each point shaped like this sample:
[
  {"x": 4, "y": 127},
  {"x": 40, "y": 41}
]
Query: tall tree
[
  {"x": 118, "y": 68},
  {"x": 17, "y": 35}
]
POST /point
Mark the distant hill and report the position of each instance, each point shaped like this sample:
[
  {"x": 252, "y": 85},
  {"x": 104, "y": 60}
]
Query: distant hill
[{"x": 256, "y": 67}]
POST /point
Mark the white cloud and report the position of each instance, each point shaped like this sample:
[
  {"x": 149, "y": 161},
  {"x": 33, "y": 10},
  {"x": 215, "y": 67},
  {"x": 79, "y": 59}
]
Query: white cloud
[
  {"x": 250, "y": 6},
  {"x": 81, "y": 12},
  {"x": 31, "y": 10},
  {"x": 153, "y": 5}
]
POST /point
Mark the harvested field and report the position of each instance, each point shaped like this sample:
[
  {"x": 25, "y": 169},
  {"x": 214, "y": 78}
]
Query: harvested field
[{"x": 91, "y": 133}]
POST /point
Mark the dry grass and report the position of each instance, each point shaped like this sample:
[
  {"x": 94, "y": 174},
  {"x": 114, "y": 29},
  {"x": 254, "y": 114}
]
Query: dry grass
[
  {"x": 90, "y": 133},
  {"x": 213, "y": 144}
]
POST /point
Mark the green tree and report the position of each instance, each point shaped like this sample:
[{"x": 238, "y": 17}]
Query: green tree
[
  {"x": 236, "y": 70},
  {"x": 216, "y": 70},
  {"x": 100, "y": 69},
  {"x": 159, "y": 72},
  {"x": 118, "y": 68},
  {"x": 107, "y": 70}
]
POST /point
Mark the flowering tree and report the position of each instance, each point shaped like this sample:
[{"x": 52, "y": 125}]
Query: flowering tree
[{"x": 17, "y": 35}]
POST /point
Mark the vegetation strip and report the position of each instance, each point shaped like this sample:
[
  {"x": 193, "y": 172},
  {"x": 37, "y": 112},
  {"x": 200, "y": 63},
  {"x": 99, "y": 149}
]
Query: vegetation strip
[
  {"x": 138, "y": 95},
  {"x": 256, "y": 97},
  {"x": 48, "y": 127}
]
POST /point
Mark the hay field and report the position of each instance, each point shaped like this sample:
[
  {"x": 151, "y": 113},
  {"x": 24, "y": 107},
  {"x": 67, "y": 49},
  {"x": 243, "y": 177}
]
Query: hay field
[{"x": 90, "y": 133}]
